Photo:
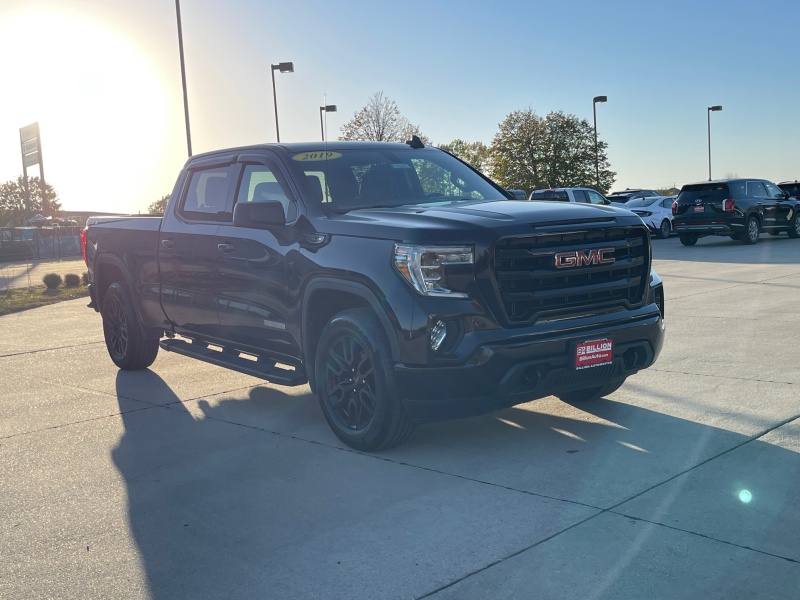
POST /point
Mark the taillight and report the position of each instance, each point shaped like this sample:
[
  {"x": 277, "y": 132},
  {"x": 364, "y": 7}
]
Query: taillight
[
  {"x": 83, "y": 245},
  {"x": 727, "y": 205},
  {"x": 674, "y": 207}
]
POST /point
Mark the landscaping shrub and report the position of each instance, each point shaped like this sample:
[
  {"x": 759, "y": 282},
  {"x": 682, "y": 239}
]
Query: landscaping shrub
[
  {"x": 71, "y": 280},
  {"x": 52, "y": 280},
  {"x": 85, "y": 278}
]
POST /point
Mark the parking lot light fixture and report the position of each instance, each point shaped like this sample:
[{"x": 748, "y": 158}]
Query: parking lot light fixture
[
  {"x": 325, "y": 109},
  {"x": 595, "y": 100},
  {"x": 284, "y": 67},
  {"x": 710, "y": 110}
]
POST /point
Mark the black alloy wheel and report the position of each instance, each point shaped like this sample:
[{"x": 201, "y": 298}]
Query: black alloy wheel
[
  {"x": 126, "y": 342},
  {"x": 665, "y": 229},
  {"x": 350, "y": 383},
  {"x": 116, "y": 327},
  {"x": 354, "y": 377}
]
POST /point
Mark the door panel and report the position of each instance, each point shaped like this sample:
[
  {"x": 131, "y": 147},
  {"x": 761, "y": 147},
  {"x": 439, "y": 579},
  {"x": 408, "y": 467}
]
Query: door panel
[
  {"x": 258, "y": 295},
  {"x": 188, "y": 249}
]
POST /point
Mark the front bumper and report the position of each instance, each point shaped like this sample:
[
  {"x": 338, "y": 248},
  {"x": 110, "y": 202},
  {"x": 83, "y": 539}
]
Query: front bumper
[{"x": 499, "y": 375}]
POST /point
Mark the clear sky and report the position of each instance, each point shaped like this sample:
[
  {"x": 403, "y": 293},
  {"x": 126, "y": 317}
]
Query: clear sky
[{"x": 102, "y": 77}]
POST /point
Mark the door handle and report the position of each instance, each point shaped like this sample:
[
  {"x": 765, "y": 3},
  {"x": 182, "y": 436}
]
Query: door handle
[
  {"x": 226, "y": 248},
  {"x": 168, "y": 243}
]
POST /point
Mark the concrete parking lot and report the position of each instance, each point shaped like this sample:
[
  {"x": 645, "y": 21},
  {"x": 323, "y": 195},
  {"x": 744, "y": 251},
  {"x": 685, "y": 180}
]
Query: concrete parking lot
[{"x": 190, "y": 481}]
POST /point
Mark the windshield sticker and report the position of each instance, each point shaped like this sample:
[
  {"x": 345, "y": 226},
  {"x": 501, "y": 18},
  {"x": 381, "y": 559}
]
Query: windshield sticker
[
  {"x": 316, "y": 156},
  {"x": 401, "y": 166}
]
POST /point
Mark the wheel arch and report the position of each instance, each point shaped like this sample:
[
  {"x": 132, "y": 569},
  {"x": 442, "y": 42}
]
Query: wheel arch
[
  {"x": 325, "y": 297},
  {"x": 110, "y": 269}
]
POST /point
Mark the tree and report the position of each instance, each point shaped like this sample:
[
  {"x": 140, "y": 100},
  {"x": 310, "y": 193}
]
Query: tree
[
  {"x": 474, "y": 153},
  {"x": 159, "y": 206},
  {"x": 380, "y": 121},
  {"x": 532, "y": 152},
  {"x": 13, "y": 211}
]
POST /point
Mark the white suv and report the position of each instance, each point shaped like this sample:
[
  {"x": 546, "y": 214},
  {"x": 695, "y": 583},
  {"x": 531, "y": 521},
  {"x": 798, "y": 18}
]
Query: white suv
[{"x": 584, "y": 195}]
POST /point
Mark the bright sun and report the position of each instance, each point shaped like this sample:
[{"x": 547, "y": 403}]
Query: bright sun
[{"x": 90, "y": 89}]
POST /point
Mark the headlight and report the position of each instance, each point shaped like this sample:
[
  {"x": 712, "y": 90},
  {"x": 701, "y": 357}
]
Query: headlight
[{"x": 424, "y": 267}]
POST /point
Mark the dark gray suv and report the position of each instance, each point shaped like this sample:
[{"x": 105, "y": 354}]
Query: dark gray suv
[{"x": 738, "y": 208}]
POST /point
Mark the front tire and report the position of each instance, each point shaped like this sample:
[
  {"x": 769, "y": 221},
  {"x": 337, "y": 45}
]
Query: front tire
[
  {"x": 664, "y": 230},
  {"x": 688, "y": 240},
  {"x": 127, "y": 344},
  {"x": 591, "y": 394},
  {"x": 751, "y": 231},
  {"x": 355, "y": 383}
]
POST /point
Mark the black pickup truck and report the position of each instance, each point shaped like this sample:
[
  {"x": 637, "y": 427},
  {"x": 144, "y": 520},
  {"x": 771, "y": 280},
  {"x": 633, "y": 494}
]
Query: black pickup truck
[{"x": 397, "y": 281}]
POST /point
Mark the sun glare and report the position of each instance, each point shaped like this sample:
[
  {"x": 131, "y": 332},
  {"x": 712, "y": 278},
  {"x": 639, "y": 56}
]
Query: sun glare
[{"x": 91, "y": 90}]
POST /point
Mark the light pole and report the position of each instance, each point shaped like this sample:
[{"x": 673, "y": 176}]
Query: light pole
[
  {"x": 183, "y": 78},
  {"x": 595, "y": 100},
  {"x": 325, "y": 109},
  {"x": 710, "y": 110},
  {"x": 284, "y": 67}
]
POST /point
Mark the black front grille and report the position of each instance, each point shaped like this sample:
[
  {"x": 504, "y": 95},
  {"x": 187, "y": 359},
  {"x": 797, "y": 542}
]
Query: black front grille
[{"x": 532, "y": 287}]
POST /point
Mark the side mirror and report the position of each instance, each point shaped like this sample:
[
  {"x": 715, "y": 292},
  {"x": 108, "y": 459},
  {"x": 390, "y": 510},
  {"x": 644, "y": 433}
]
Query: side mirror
[{"x": 259, "y": 215}]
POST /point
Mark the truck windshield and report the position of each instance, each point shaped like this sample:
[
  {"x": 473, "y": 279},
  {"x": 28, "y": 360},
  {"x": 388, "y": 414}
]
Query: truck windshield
[{"x": 343, "y": 179}]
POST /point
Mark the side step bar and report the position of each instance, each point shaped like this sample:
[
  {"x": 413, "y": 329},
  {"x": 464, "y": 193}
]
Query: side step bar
[{"x": 262, "y": 368}]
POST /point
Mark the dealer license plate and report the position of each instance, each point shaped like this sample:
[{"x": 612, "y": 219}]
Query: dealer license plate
[
  {"x": 594, "y": 353},
  {"x": 699, "y": 209}
]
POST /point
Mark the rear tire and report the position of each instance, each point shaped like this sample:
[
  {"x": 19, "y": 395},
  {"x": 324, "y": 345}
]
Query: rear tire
[
  {"x": 591, "y": 394},
  {"x": 664, "y": 230},
  {"x": 688, "y": 240},
  {"x": 127, "y": 344},
  {"x": 751, "y": 231},
  {"x": 355, "y": 383},
  {"x": 794, "y": 225}
]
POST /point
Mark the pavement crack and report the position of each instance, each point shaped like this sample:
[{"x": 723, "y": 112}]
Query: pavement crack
[
  {"x": 61, "y": 425},
  {"x": 50, "y": 349},
  {"x": 656, "y": 369},
  {"x": 704, "y": 536}
]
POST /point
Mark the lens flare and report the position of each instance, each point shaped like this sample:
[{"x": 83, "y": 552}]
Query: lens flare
[{"x": 745, "y": 497}]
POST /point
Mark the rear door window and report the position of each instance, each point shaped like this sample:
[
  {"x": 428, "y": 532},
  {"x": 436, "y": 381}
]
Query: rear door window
[
  {"x": 580, "y": 196},
  {"x": 757, "y": 189},
  {"x": 206, "y": 197}
]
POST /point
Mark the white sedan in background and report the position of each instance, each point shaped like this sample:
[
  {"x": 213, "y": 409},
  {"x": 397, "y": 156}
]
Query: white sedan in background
[{"x": 656, "y": 212}]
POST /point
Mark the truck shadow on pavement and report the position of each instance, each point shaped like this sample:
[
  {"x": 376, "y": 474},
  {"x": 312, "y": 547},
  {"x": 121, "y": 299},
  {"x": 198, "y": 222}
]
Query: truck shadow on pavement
[{"x": 251, "y": 496}]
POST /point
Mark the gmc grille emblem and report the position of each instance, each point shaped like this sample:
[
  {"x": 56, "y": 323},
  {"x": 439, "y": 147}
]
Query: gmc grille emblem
[{"x": 580, "y": 258}]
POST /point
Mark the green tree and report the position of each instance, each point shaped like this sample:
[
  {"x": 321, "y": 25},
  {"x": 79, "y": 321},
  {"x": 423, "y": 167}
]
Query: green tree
[
  {"x": 12, "y": 201},
  {"x": 474, "y": 153},
  {"x": 159, "y": 206},
  {"x": 532, "y": 152},
  {"x": 380, "y": 121}
]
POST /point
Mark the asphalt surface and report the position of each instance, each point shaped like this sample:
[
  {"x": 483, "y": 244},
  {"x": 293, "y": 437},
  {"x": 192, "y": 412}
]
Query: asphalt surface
[{"x": 190, "y": 481}]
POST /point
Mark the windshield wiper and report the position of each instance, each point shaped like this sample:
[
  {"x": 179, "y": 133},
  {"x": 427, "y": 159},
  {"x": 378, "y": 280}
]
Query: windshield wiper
[{"x": 341, "y": 211}]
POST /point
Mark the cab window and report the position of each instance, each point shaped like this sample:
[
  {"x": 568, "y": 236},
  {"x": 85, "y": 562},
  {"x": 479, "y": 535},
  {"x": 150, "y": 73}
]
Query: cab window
[
  {"x": 262, "y": 183},
  {"x": 206, "y": 196}
]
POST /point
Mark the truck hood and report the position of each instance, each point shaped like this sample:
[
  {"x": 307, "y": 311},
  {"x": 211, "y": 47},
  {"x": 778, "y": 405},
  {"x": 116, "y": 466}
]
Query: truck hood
[{"x": 468, "y": 223}]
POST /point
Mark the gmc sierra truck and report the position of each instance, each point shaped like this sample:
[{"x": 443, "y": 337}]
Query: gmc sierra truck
[{"x": 398, "y": 282}]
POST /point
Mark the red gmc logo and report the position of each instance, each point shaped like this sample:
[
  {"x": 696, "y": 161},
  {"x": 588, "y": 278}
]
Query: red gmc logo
[{"x": 579, "y": 258}]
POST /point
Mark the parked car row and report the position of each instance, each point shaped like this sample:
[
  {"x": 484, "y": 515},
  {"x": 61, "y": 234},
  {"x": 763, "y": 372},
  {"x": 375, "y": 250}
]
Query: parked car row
[
  {"x": 653, "y": 208},
  {"x": 738, "y": 208}
]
